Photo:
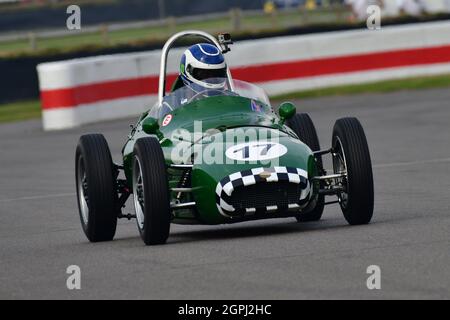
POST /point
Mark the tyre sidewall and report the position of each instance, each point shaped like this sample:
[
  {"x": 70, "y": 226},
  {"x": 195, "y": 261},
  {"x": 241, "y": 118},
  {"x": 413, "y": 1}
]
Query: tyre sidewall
[
  {"x": 359, "y": 207},
  {"x": 102, "y": 215},
  {"x": 156, "y": 191},
  {"x": 304, "y": 128}
]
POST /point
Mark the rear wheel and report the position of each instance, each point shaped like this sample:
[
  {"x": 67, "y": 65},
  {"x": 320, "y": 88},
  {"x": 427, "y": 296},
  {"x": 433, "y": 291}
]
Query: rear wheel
[
  {"x": 96, "y": 194},
  {"x": 351, "y": 155},
  {"x": 151, "y": 192},
  {"x": 304, "y": 127}
]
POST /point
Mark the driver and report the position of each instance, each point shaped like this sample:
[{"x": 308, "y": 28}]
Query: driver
[
  {"x": 202, "y": 62},
  {"x": 203, "y": 71}
]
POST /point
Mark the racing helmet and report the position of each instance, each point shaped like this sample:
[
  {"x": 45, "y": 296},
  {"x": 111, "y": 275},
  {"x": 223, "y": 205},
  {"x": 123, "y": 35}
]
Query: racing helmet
[{"x": 202, "y": 62}]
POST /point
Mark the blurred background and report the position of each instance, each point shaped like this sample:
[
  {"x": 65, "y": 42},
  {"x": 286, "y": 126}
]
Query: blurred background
[
  {"x": 34, "y": 31},
  {"x": 39, "y": 25}
]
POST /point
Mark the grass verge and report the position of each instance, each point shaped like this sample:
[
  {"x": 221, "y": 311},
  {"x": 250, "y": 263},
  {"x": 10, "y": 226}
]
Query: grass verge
[
  {"x": 18, "y": 111},
  {"x": 25, "y": 110}
]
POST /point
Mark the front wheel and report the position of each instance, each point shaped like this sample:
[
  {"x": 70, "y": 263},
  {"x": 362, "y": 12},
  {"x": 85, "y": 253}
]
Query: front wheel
[
  {"x": 96, "y": 192},
  {"x": 304, "y": 128},
  {"x": 351, "y": 156},
  {"x": 151, "y": 191}
]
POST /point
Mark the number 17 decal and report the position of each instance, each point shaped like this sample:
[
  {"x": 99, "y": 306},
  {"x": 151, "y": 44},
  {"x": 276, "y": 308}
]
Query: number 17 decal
[{"x": 256, "y": 151}]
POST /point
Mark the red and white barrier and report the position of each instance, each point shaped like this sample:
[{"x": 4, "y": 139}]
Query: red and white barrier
[{"x": 88, "y": 90}]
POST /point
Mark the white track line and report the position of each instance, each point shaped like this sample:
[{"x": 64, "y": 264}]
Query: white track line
[
  {"x": 376, "y": 166},
  {"x": 48, "y": 196},
  {"x": 411, "y": 163}
]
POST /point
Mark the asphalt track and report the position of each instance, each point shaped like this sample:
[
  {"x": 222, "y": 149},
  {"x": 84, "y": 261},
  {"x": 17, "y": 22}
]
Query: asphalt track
[{"x": 409, "y": 137}]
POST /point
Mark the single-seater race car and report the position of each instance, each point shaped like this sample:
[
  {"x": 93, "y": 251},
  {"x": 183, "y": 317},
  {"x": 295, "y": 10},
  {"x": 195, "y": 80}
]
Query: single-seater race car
[{"x": 220, "y": 156}]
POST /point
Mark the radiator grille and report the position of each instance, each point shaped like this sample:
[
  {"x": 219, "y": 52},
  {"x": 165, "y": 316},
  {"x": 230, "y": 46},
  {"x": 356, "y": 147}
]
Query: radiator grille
[{"x": 263, "y": 195}]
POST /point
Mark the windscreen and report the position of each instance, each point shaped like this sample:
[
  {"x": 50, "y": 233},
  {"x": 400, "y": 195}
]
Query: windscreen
[{"x": 194, "y": 92}]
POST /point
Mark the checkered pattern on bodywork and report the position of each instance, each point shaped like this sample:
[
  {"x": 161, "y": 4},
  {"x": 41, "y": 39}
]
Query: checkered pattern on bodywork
[{"x": 250, "y": 177}]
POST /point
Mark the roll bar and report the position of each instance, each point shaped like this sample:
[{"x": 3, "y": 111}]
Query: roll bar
[{"x": 169, "y": 44}]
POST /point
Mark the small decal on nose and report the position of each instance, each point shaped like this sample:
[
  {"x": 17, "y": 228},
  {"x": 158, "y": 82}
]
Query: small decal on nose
[{"x": 167, "y": 120}]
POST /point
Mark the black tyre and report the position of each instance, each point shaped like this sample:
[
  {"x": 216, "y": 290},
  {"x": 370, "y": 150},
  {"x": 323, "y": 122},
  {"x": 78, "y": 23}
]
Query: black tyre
[
  {"x": 351, "y": 154},
  {"x": 151, "y": 192},
  {"x": 303, "y": 126},
  {"x": 96, "y": 188}
]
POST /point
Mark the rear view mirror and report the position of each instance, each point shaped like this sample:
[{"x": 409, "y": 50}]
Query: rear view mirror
[
  {"x": 150, "y": 126},
  {"x": 286, "y": 111}
]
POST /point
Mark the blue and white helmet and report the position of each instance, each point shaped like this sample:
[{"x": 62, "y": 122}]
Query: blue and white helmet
[{"x": 201, "y": 62}]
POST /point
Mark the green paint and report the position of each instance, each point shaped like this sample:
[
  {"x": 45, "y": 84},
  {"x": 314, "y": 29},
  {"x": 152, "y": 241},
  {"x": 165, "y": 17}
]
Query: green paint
[{"x": 229, "y": 115}]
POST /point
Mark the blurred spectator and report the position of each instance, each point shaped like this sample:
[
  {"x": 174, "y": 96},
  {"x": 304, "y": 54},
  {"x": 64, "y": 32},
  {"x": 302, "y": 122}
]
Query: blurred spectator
[
  {"x": 359, "y": 7},
  {"x": 411, "y": 7},
  {"x": 435, "y": 6}
]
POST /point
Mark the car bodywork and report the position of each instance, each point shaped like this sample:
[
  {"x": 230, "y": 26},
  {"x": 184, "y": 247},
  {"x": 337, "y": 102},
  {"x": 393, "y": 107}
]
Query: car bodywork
[
  {"x": 195, "y": 196},
  {"x": 228, "y": 114},
  {"x": 223, "y": 156}
]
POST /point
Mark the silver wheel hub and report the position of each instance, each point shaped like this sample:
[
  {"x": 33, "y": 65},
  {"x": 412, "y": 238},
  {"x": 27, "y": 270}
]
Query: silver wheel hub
[
  {"x": 340, "y": 167},
  {"x": 138, "y": 193},
  {"x": 83, "y": 198}
]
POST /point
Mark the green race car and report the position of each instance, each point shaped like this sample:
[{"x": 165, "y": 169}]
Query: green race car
[{"x": 220, "y": 156}]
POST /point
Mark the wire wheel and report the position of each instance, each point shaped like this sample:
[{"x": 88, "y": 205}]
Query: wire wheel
[
  {"x": 96, "y": 188},
  {"x": 83, "y": 198},
  {"x": 151, "y": 195},
  {"x": 351, "y": 156},
  {"x": 340, "y": 167},
  {"x": 138, "y": 193}
]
